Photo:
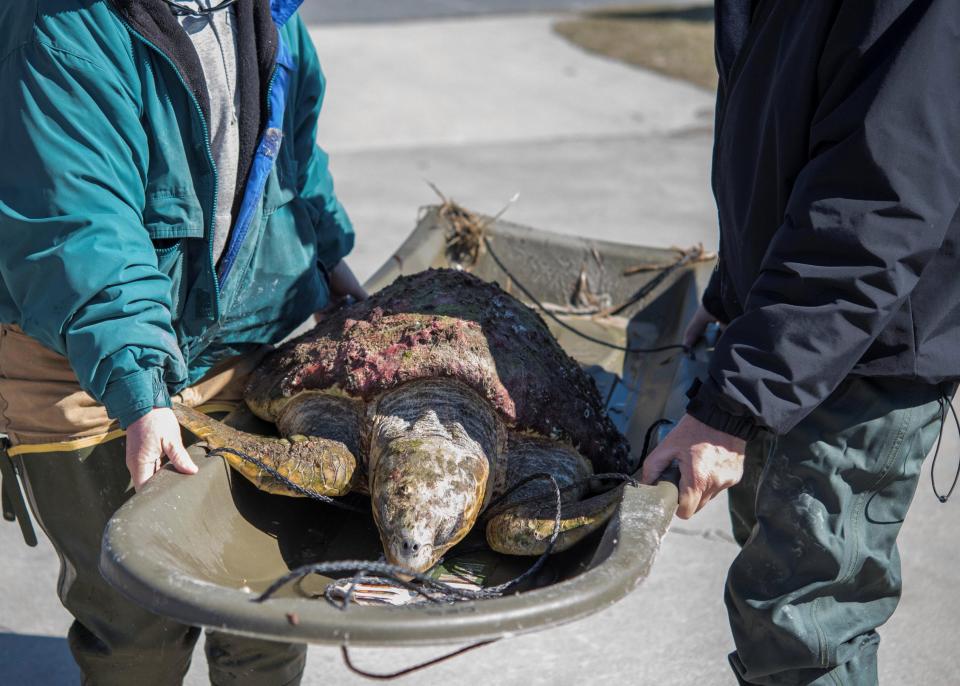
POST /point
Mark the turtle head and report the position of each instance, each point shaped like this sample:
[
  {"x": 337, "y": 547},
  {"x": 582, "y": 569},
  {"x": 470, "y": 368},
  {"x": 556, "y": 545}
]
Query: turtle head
[{"x": 426, "y": 495}]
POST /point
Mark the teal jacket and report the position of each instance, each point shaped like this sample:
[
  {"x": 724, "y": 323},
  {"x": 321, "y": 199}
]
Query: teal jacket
[{"x": 108, "y": 187}]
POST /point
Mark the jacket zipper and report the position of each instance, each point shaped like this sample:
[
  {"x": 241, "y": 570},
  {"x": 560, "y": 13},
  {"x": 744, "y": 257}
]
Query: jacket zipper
[
  {"x": 227, "y": 267},
  {"x": 206, "y": 141}
]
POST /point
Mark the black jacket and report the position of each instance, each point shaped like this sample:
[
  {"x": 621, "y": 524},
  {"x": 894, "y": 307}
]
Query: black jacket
[{"x": 837, "y": 178}]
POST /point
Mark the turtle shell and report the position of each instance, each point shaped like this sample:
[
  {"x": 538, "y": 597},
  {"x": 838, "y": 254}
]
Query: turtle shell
[{"x": 447, "y": 323}]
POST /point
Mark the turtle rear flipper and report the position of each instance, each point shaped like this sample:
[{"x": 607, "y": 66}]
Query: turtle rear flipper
[{"x": 319, "y": 465}]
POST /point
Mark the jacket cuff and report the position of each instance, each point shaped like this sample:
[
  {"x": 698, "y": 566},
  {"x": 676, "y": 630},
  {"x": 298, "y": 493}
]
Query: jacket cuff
[
  {"x": 134, "y": 395},
  {"x": 708, "y": 405},
  {"x": 711, "y": 300},
  {"x": 712, "y": 304},
  {"x": 335, "y": 238}
]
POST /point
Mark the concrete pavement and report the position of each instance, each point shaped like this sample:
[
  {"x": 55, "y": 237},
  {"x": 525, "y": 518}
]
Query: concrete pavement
[
  {"x": 488, "y": 108},
  {"x": 384, "y": 11},
  {"x": 482, "y": 81},
  {"x": 485, "y": 109},
  {"x": 642, "y": 189}
]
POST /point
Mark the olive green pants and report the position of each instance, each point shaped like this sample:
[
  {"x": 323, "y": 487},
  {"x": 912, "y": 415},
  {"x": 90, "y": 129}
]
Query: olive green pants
[
  {"x": 73, "y": 495},
  {"x": 817, "y": 515}
]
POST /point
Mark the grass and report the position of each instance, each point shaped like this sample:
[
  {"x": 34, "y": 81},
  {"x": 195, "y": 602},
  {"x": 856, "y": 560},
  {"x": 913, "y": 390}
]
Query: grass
[{"x": 677, "y": 42}]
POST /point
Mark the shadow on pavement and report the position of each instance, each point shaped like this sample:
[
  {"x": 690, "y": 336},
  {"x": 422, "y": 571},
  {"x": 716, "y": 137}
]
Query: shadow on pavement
[
  {"x": 36, "y": 660},
  {"x": 700, "y": 14}
]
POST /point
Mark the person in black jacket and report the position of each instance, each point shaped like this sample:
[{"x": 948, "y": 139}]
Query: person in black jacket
[{"x": 837, "y": 179}]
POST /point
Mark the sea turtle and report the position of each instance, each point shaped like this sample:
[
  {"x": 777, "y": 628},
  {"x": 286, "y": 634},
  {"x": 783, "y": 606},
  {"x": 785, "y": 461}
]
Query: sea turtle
[{"x": 435, "y": 395}]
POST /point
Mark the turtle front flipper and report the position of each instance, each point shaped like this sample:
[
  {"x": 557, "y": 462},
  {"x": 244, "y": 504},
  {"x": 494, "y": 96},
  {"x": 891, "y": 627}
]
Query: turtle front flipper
[
  {"x": 320, "y": 465},
  {"x": 523, "y": 523},
  {"x": 527, "y": 529}
]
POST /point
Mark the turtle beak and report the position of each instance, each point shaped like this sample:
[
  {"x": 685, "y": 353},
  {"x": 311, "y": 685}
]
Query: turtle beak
[
  {"x": 426, "y": 493},
  {"x": 410, "y": 554}
]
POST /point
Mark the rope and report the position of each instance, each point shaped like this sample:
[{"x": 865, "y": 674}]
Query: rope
[
  {"x": 286, "y": 482},
  {"x": 648, "y": 287},
  {"x": 345, "y": 653},
  {"x": 599, "y": 341},
  {"x": 398, "y": 575},
  {"x": 649, "y": 436},
  {"x": 182, "y": 10},
  {"x": 429, "y": 588},
  {"x": 491, "y": 510},
  {"x": 944, "y": 404},
  {"x": 432, "y": 590}
]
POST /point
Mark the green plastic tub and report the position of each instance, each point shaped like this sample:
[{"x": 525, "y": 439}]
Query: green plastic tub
[{"x": 200, "y": 548}]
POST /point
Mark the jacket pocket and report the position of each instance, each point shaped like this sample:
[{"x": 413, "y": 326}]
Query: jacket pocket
[
  {"x": 170, "y": 262},
  {"x": 170, "y": 218},
  {"x": 172, "y": 214}
]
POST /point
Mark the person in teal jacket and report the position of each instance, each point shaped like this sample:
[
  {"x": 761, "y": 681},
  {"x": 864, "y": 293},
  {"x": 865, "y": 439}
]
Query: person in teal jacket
[{"x": 112, "y": 198}]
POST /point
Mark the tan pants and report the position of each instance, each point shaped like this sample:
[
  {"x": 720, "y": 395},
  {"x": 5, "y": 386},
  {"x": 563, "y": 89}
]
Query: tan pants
[
  {"x": 115, "y": 642},
  {"x": 71, "y": 459},
  {"x": 43, "y": 408}
]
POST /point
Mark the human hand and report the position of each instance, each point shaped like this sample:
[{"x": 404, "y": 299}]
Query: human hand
[
  {"x": 344, "y": 283},
  {"x": 710, "y": 462},
  {"x": 150, "y": 438},
  {"x": 697, "y": 326}
]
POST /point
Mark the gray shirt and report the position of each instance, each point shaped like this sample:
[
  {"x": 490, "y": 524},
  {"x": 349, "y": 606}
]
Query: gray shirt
[{"x": 215, "y": 39}]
